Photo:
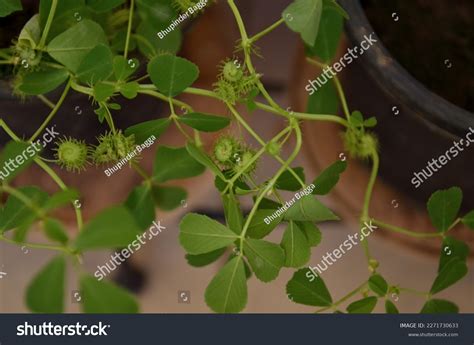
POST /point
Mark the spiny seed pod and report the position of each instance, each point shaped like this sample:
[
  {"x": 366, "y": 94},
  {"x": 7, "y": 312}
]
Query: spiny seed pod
[
  {"x": 226, "y": 91},
  {"x": 112, "y": 147},
  {"x": 273, "y": 148},
  {"x": 224, "y": 150},
  {"x": 72, "y": 154},
  {"x": 243, "y": 159},
  {"x": 232, "y": 71},
  {"x": 247, "y": 84},
  {"x": 360, "y": 145}
]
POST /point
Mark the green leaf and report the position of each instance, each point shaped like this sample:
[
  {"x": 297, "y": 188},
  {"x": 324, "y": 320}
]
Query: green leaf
[
  {"x": 102, "y": 92},
  {"x": 204, "y": 159},
  {"x": 30, "y": 35},
  {"x": 96, "y": 66},
  {"x": 9, "y": 6},
  {"x": 363, "y": 306},
  {"x": 378, "y": 285},
  {"x": 452, "y": 248},
  {"x": 45, "y": 294},
  {"x": 204, "y": 122},
  {"x": 129, "y": 90},
  {"x": 330, "y": 30},
  {"x": 322, "y": 100},
  {"x": 453, "y": 271},
  {"x": 145, "y": 130},
  {"x": 55, "y": 231},
  {"x": 141, "y": 206},
  {"x": 326, "y": 181},
  {"x": 42, "y": 82},
  {"x": 443, "y": 207},
  {"x": 168, "y": 198},
  {"x": 370, "y": 122},
  {"x": 103, "y": 5},
  {"x": 295, "y": 244},
  {"x": 312, "y": 233},
  {"x": 308, "y": 208},
  {"x": 175, "y": 163},
  {"x": 68, "y": 13},
  {"x": 205, "y": 259},
  {"x": 124, "y": 68},
  {"x": 113, "y": 227},
  {"x": 15, "y": 213},
  {"x": 265, "y": 258},
  {"x": 233, "y": 214},
  {"x": 61, "y": 198},
  {"x": 73, "y": 45},
  {"x": 287, "y": 181},
  {"x": 172, "y": 74},
  {"x": 468, "y": 220},
  {"x": 200, "y": 234},
  {"x": 227, "y": 291},
  {"x": 16, "y": 157},
  {"x": 390, "y": 308},
  {"x": 150, "y": 44},
  {"x": 102, "y": 297},
  {"x": 300, "y": 289},
  {"x": 439, "y": 306},
  {"x": 258, "y": 228},
  {"x": 303, "y": 17}
]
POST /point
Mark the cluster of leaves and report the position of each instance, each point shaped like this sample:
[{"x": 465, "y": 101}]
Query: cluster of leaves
[
  {"x": 443, "y": 209},
  {"x": 85, "y": 44}
]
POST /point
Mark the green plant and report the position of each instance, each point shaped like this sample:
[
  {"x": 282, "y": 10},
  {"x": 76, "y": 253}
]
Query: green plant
[{"x": 91, "y": 55}]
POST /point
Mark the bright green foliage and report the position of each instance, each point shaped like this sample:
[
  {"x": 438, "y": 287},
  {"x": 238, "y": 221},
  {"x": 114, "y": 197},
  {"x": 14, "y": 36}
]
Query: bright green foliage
[
  {"x": 45, "y": 294},
  {"x": 91, "y": 46},
  {"x": 102, "y": 297}
]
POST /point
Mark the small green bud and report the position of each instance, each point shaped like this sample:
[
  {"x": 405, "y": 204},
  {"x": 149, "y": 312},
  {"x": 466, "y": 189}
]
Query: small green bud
[
  {"x": 273, "y": 148},
  {"x": 72, "y": 154}
]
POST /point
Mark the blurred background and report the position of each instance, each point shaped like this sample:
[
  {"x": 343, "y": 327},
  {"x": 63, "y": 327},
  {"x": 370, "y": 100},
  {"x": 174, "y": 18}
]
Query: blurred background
[{"x": 159, "y": 273}]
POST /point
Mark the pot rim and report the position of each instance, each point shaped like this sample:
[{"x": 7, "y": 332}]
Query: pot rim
[{"x": 392, "y": 78}]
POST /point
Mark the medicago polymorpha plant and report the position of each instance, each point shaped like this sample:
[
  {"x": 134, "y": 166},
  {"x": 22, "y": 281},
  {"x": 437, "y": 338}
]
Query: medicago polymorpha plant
[{"x": 86, "y": 46}]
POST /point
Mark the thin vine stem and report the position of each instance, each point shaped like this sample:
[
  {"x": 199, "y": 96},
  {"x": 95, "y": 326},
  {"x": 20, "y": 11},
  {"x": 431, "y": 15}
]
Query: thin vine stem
[
  {"x": 129, "y": 28},
  {"x": 53, "y": 112},
  {"x": 47, "y": 27}
]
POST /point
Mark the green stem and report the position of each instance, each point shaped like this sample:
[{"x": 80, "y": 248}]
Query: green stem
[
  {"x": 338, "y": 85},
  {"x": 272, "y": 27},
  {"x": 345, "y": 298},
  {"x": 271, "y": 183},
  {"x": 36, "y": 245},
  {"x": 150, "y": 92},
  {"x": 49, "y": 22},
  {"x": 24, "y": 199},
  {"x": 46, "y": 101},
  {"x": 53, "y": 112},
  {"x": 63, "y": 186},
  {"x": 406, "y": 231},
  {"x": 129, "y": 29}
]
